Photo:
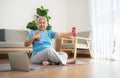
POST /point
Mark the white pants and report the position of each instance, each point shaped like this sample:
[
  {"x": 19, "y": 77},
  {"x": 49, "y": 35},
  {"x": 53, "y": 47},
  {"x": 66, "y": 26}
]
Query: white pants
[{"x": 51, "y": 55}]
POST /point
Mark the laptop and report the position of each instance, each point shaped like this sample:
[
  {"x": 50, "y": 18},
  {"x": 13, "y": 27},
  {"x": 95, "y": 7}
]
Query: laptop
[{"x": 20, "y": 62}]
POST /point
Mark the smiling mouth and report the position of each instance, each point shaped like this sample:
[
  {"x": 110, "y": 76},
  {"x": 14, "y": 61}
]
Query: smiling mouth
[{"x": 42, "y": 27}]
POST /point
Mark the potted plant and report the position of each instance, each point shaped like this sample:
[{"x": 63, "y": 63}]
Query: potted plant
[{"x": 41, "y": 11}]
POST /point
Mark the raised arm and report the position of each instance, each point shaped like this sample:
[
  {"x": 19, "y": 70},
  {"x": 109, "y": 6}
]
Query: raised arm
[
  {"x": 67, "y": 34},
  {"x": 63, "y": 34}
]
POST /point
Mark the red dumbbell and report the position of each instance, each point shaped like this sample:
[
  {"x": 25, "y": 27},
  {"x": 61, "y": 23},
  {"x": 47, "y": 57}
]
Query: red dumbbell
[
  {"x": 74, "y": 31},
  {"x": 37, "y": 39}
]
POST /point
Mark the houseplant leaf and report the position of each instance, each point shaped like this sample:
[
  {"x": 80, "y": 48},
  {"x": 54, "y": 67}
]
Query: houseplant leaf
[{"x": 32, "y": 25}]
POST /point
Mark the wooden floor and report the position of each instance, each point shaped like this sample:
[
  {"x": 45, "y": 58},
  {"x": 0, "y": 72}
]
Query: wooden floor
[{"x": 94, "y": 69}]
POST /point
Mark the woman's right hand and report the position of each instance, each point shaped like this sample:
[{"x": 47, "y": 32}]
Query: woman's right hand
[
  {"x": 37, "y": 36},
  {"x": 29, "y": 41}
]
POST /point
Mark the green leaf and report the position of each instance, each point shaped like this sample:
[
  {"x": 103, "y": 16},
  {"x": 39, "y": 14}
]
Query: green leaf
[
  {"x": 48, "y": 18},
  {"x": 32, "y": 25},
  {"x": 49, "y": 27},
  {"x": 36, "y": 16},
  {"x": 43, "y": 13},
  {"x": 42, "y": 7},
  {"x": 46, "y": 10},
  {"x": 39, "y": 11}
]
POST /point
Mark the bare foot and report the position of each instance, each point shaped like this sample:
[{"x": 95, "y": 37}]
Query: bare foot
[
  {"x": 71, "y": 61},
  {"x": 45, "y": 63}
]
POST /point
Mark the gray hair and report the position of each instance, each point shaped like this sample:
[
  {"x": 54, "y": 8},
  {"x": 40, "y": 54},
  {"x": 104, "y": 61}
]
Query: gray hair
[{"x": 42, "y": 17}]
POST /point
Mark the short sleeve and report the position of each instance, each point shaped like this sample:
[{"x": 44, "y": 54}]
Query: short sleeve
[
  {"x": 51, "y": 34},
  {"x": 30, "y": 35}
]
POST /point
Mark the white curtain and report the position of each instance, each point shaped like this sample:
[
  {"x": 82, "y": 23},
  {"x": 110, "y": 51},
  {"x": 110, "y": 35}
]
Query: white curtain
[
  {"x": 103, "y": 18},
  {"x": 116, "y": 53}
]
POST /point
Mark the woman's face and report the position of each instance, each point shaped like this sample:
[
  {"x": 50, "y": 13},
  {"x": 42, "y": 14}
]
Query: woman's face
[{"x": 42, "y": 24}]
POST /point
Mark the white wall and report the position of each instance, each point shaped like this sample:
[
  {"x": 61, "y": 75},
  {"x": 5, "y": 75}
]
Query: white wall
[
  {"x": 78, "y": 14},
  {"x": 15, "y": 14}
]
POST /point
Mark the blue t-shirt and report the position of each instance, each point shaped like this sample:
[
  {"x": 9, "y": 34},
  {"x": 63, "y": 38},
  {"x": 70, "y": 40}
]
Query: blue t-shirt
[{"x": 44, "y": 42}]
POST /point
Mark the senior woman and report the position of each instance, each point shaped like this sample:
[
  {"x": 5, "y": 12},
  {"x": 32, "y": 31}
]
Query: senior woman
[{"x": 43, "y": 53}]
